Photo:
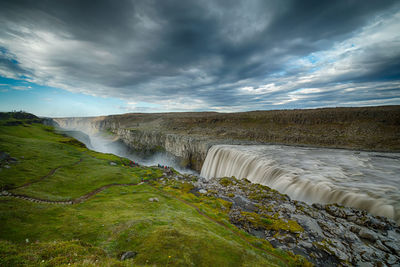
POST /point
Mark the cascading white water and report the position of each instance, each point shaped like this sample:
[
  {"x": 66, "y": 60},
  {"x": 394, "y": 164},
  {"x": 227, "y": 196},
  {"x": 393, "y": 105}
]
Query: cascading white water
[{"x": 364, "y": 180}]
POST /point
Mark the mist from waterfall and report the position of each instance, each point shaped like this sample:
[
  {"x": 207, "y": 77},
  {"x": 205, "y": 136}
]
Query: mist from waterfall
[
  {"x": 107, "y": 143},
  {"x": 364, "y": 180}
]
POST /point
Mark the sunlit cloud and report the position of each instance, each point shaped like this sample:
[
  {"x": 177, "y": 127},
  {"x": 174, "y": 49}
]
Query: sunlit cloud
[{"x": 212, "y": 56}]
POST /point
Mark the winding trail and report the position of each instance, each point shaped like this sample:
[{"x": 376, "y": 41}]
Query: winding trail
[
  {"x": 52, "y": 172},
  {"x": 81, "y": 199},
  {"x": 163, "y": 193}
]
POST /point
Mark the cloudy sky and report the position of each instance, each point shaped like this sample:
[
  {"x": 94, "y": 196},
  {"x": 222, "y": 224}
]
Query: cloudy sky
[{"x": 84, "y": 57}]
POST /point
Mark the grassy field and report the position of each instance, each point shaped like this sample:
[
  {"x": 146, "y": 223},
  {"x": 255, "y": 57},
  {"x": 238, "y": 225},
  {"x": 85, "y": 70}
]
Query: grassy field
[{"x": 174, "y": 231}]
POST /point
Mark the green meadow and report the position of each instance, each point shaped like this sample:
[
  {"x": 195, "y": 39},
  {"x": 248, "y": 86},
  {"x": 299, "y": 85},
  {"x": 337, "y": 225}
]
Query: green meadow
[{"x": 187, "y": 231}]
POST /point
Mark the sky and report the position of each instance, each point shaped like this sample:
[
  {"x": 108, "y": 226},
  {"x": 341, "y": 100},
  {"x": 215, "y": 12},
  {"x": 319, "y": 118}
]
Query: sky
[{"x": 89, "y": 58}]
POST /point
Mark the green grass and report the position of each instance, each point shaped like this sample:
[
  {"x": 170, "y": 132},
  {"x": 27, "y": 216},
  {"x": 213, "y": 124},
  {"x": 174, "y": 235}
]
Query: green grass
[{"x": 118, "y": 219}]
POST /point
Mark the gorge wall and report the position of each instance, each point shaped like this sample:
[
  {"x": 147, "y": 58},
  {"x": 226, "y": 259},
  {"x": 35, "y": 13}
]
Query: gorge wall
[{"x": 190, "y": 135}]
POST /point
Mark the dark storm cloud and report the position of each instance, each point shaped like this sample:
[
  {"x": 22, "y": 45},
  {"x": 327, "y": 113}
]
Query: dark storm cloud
[{"x": 179, "y": 51}]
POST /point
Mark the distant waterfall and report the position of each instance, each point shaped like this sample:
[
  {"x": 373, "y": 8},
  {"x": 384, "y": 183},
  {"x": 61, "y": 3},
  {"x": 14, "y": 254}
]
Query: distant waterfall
[{"x": 361, "y": 180}]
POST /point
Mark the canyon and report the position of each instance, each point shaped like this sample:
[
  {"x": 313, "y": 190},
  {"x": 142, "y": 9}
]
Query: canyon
[{"x": 189, "y": 135}]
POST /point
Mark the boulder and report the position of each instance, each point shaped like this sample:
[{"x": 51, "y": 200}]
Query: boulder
[
  {"x": 153, "y": 199},
  {"x": 128, "y": 255},
  {"x": 203, "y": 191},
  {"x": 4, "y": 155},
  {"x": 366, "y": 234},
  {"x": 12, "y": 160}
]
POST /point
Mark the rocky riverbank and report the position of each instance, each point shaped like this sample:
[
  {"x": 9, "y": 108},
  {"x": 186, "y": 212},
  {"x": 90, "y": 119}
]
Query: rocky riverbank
[{"x": 327, "y": 235}]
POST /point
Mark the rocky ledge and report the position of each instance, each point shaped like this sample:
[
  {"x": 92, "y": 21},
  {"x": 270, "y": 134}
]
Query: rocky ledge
[{"x": 327, "y": 235}]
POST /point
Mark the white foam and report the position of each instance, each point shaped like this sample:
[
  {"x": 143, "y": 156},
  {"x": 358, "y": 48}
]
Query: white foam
[{"x": 364, "y": 180}]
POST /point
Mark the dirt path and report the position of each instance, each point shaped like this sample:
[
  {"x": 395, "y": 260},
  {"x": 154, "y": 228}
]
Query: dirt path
[
  {"x": 52, "y": 172},
  {"x": 63, "y": 202},
  {"x": 98, "y": 190}
]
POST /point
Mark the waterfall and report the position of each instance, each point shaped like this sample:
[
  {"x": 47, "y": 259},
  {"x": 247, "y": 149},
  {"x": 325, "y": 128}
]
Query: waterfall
[{"x": 363, "y": 180}]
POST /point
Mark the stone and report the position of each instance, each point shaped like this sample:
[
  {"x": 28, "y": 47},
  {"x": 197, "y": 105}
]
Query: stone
[
  {"x": 289, "y": 239},
  {"x": 4, "y": 155},
  {"x": 318, "y": 206},
  {"x": 128, "y": 255},
  {"x": 244, "y": 203},
  {"x": 364, "y": 264},
  {"x": 305, "y": 244},
  {"x": 366, "y": 234},
  {"x": 153, "y": 199},
  {"x": 113, "y": 163},
  {"x": 394, "y": 246},
  {"x": 355, "y": 229},
  {"x": 7, "y": 166},
  {"x": 309, "y": 223},
  {"x": 203, "y": 191},
  {"x": 346, "y": 236},
  {"x": 391, "y": 259},
  {"x": 382, "y": 247},
  {"x": 12, "y": 160},
  {"x": 288, "y": 207},
  {"x": 376, "y": 224},
  {"x": 352, "y": 218}
]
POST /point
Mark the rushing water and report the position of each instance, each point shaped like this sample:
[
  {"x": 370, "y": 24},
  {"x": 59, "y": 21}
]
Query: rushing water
[{"x": 365, "y": 180}]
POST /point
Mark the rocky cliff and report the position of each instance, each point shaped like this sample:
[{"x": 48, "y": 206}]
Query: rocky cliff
[
  {"x": 190, "y": 135},
  {"x": 191, "y": 150}
]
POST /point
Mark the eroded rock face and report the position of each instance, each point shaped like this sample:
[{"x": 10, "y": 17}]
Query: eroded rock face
[
  {"x": 191, "y": 150},
  {"x": 327, "y": 235}
]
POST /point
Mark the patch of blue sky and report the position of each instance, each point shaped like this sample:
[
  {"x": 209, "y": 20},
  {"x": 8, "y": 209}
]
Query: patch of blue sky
[
  {"x": 314, "y": 69},
  {"x": 53, "y": 102},
  {"x": 6, "y": 55},
  {"x": 279, "y": 73},
  {"x": 311, "y": 58}
]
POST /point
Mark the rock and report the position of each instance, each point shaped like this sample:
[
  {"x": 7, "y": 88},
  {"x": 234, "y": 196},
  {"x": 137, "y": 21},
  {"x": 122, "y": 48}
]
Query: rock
[
  {"x": 289, "y": 239},
  {"x": 7, "y": 166},
  {"x": 309, "y": 223},
  {"x": 318, "y": 206},
  {"x": 382, "y": 247},
  {"x": 203, "y": 191},
  {"x": 112, "y": 163},
  {"x": 364, "y": 264},
  {"x": 352, "y": 218},
  {"x": 355, "y": 229},
  {"x": 376, "y": 224},
  {"x": 305, "y": 244},
  {"x": 243, "y": 203},
  {"x": 366, "y": 234},
  {"x": 4, "y": 155},
  {"x": 12, "y": 160},
  {"x": 128, "y": 255},
  {"x": 153, "y": 199},
  {"x": 332, "y": 236},
  {"x": 390, "y": 259},
  {"x": 290, "y": 208},
  {"x": 394, "y": 246}
]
